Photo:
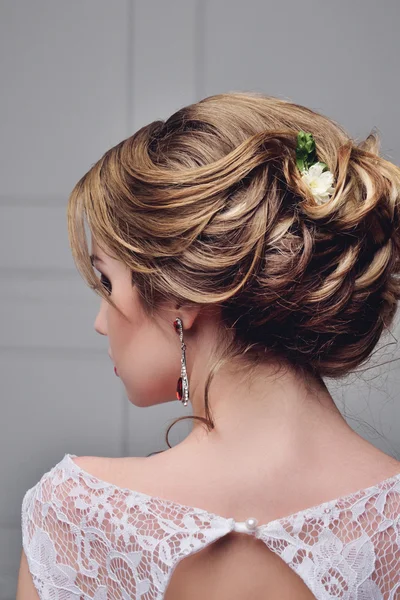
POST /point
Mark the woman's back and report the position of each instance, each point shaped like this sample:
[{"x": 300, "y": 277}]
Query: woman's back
[
  {"x": 238, "y": 566},
  {"x": 319, "y": 545}
]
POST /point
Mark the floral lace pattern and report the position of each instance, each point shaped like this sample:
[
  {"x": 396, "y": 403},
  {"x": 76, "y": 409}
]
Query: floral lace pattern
[{"x": 86, "y": 539}]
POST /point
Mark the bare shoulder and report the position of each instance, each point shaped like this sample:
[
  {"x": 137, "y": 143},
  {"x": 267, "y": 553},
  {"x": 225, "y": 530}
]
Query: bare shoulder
[
  {"x": 115, "y": 470},
  {"x": 182, "y": 478},
  {"x": 95, "y": 465}
]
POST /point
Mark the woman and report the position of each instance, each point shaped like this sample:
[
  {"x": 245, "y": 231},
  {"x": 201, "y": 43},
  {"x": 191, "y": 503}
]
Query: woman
[{"x": 246, "y": 249}]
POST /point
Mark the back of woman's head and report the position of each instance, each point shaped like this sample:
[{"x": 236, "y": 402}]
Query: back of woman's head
[{"x": 209, "y": 208}]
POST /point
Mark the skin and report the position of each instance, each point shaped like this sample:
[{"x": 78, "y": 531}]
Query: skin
[{"x": 268, "y": 416}]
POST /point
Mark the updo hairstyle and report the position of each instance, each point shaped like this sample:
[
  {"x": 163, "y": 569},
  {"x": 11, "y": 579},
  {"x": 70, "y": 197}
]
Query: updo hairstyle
[{"x": 209, "y": 208}]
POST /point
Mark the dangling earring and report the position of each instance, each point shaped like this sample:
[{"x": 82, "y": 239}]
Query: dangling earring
[{"x": 182, "y": 389}]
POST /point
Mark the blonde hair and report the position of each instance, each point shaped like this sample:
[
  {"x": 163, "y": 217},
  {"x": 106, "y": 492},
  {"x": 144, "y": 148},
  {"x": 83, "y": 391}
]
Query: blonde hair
[{"x": 209, "y": 208}]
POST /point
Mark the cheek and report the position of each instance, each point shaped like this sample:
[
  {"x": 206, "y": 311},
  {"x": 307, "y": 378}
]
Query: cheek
[
  {"x": 142, "y": 352},
  {"x": 120, "y": 334},
  {"x": 143, "y": 345},
  {"x": 135, "y": 339},
  {"x": 150, "y": 367},
  {"x": 122, "y": 331}
]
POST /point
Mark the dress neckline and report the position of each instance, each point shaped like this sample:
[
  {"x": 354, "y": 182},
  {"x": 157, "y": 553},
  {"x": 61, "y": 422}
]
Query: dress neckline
[{"x": 328, "y": 504}]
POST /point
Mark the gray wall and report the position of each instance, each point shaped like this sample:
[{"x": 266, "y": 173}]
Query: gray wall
[{"x": 76, "y": 77}]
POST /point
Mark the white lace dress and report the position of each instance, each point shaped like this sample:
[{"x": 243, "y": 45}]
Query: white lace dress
[{"x": 85, "y": 538}]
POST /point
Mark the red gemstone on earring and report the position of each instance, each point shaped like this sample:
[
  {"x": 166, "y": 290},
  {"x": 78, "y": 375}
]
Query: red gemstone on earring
[
  {"x": 179, "y": 390},
  {"x": 176, "y": 325}
]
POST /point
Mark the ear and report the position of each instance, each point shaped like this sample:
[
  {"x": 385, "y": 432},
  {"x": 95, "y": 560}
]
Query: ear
[{"x": 194, "y": 317}]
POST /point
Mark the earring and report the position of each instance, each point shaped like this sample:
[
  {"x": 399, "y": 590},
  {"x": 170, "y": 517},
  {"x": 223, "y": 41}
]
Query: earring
[{"x": 182, "y": 389}]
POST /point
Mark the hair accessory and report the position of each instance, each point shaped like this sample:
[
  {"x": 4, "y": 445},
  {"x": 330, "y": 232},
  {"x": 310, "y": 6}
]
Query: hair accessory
[
  {"x": 316, "y": 174},
  {"x": 182, "y": 388}
]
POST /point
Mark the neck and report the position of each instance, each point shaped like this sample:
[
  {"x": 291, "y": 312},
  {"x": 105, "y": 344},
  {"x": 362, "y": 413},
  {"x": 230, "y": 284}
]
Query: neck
[{"x": 279, "y": 416}]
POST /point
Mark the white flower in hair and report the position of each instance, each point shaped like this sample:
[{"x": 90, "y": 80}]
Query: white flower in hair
[
  {"x": 315, "y": 173},
  {"x": 319, "y": 181}
]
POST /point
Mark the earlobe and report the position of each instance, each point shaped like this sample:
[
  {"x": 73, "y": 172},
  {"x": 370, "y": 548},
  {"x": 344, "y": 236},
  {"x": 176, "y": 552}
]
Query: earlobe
[{"x": 189, "y": 315}]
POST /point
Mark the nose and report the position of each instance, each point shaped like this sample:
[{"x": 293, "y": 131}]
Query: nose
[{"x": 100, "y": 323}]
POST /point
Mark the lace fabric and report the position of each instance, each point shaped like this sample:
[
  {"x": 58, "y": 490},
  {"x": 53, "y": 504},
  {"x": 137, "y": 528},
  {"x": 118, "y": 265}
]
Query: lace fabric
[{"x": 85, "y": 538}]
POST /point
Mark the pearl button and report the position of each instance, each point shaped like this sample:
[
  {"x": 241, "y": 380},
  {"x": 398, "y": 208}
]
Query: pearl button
[
  {"x": 248, "y": 526},
  {"x": 251, "y": 523}
]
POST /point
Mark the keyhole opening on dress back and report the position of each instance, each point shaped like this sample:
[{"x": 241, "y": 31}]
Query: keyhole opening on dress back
[{"x": 234, "y": 567}]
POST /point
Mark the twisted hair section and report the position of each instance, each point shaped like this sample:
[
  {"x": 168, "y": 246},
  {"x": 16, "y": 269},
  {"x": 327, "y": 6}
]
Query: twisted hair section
[{"x": 209, "y": 208}]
